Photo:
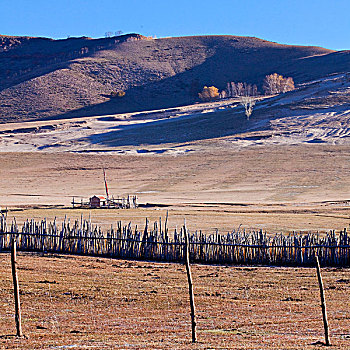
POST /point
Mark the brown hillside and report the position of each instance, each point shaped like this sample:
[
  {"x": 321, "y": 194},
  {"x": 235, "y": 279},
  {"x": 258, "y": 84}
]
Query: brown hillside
[{"x": 45, "y": 78}]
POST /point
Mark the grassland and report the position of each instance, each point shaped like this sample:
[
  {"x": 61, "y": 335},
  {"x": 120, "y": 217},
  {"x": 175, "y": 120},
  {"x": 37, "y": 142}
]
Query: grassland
[
  {"x": 276, "y": 188},
  {"x": 85, "y": 302},
  {"x": 82, "y": 302}
]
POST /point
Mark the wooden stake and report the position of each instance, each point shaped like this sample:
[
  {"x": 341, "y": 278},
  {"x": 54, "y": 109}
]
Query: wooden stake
[
  {"x": 190, "y": 285},
  {"x": 323, "y": 303},
  {"x": 16, "y": 288}
]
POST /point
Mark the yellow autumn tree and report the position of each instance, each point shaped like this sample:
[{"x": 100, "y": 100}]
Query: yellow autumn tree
[
  {"x": 209, "y": 93},
  {"x": 119, "y": 93},
  {"x": 276, "y": 83}
]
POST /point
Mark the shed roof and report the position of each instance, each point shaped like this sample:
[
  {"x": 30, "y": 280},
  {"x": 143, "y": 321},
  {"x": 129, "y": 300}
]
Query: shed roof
[{"x": 99, "y": 197}]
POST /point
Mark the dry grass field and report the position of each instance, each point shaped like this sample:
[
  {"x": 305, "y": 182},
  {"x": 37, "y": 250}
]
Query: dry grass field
[
  {"x": 286, "y": 169},
  {"x": 96, "y": 303},
  {"x": 224, "y": 218},
  {"x": 275, "y": 188}
]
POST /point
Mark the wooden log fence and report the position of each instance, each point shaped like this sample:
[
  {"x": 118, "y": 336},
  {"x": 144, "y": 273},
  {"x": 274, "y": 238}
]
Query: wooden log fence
[
  {"x": 18, "y": 317},
  {"x": 323, "y": 303},
  {"x": 155, "y": 242}
]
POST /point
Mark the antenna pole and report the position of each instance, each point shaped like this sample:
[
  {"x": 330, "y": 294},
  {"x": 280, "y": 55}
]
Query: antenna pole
[{"x": 106, "y": 187}]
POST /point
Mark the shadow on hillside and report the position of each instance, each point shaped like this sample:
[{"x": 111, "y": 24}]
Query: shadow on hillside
[
  {"x": 220, "y": 123},
  {"x": 177, "y": 90},
  {"x": 177, "y": 130}
]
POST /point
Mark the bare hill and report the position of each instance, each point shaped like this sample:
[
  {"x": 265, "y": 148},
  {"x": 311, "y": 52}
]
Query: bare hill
[{"x": 43, "y": 78}]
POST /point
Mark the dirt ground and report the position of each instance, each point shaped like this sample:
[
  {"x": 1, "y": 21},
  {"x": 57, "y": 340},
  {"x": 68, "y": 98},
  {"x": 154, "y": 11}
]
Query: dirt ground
[{"x": 97, "y": 303}]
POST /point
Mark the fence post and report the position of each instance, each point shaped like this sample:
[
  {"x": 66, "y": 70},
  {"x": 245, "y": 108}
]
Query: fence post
[
  {"x": 323, "y": 302},
  {"x": 16, "y": 288},
  {"x": 190, "y": 285}
]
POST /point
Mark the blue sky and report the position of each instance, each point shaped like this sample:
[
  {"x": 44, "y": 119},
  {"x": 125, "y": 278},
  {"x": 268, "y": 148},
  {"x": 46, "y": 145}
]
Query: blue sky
[{"x": 309, "y": 22}]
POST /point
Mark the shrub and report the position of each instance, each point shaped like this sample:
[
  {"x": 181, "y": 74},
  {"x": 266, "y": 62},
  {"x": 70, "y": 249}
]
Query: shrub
[{"x": 119, "y": 93}]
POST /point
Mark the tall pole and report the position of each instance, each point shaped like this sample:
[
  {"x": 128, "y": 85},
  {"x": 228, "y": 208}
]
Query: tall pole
[
  {"x": 16, "y": 288},
  {"x": 190, "y": 285},
  {"x": 323, "y": 303},
  {"x": 106, "y": 187}
]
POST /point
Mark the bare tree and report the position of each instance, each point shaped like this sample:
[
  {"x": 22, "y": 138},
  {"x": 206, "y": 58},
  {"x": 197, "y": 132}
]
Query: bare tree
[
  {"x": 248, "y": 102},
  {"x": 248, "y": 98},
  {"x": 241, "y": 89},
  {"x": 246, "y": 94},
  {"x": 233, "y": 89},
  {"x": 228, "y": 90},
  {"x": 222, "y": 94},
  {"x": 271, "y": 84}
]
